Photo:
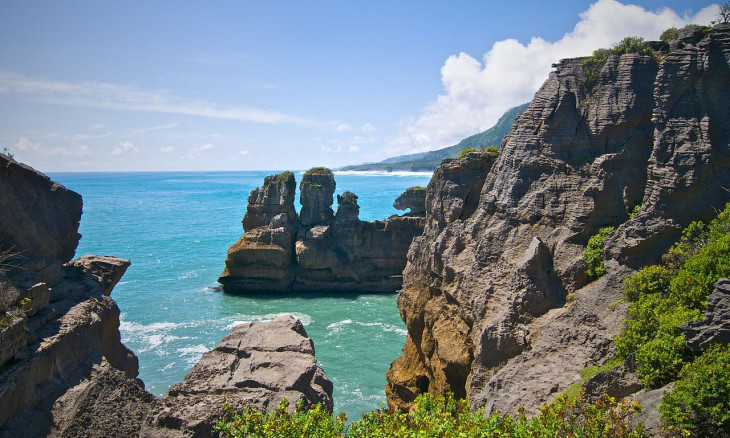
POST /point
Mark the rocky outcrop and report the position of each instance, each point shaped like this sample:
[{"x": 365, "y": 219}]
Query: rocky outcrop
[
  {"x": 318, "y": 250},
  {"x": 715, "y": 327},
  {"x": 495, "y": 296},
  {"x": 414, "y": 198},
  {"x": 64, "y": 371}
]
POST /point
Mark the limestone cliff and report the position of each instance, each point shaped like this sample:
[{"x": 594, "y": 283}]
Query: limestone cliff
[
  {"x": 318, "y": 249},
  {"x": 64, "y": 371},
  {"x": 495, "y": 297}
]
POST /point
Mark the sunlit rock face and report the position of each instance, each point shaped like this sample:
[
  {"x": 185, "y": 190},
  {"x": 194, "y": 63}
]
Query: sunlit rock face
[{"x": 485, "y": 287}]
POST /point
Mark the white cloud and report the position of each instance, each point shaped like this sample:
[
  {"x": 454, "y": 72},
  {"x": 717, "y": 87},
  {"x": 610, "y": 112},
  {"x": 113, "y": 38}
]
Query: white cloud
[
  {"x": 342, "y": 127},
  {"x": 367, "y": 128},
  {"x": 331, "y": 149},
  {"x": 354, "y": 148},
  {"x": 477, "y": 93},
  {"x": 130, "y": 98},
  {"x": 196, "y": 151},
  {"x": 155, "y": 128},
  {"x": 167, "y": 149},
  {"x": 125, "y": 147},
  {"x": 244, "y": 153},
  {"x": 39, "y": 149}
]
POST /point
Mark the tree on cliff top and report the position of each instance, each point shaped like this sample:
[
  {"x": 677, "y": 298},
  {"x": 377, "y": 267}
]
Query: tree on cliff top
[{"x": 318, "y": 171}]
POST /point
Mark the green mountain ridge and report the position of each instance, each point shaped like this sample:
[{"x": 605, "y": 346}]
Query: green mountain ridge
[{"x": 428, "y": 161}]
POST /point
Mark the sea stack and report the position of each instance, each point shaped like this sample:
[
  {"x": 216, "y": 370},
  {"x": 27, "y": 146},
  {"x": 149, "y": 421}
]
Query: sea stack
[{"x": 316, "y": 250}]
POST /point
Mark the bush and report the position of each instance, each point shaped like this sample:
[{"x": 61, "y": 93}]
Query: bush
[
  {"x": 670, "y": 34},
  {"x": 439, "y": 416},
  {"x": 593, "y": 254},
  {"x": 700, "y": 400},
  {"x": 492, "y": 150},
  {"x": 464, "y": 152},
  {"x": 662, "y": 298},
  {"x": 318, "y": 171}
]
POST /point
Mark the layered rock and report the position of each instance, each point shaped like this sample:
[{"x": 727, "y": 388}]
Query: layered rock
[
  {"x": 414, "y": 198},
  {"x": 64, "y": 371},
  {"x": 319, "y": 251},
  {"x": 486, "y": 285}
]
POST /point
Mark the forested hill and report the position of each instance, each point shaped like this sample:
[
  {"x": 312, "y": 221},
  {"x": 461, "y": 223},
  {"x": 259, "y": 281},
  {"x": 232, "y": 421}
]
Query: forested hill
[{"x": 426, "y": 161}]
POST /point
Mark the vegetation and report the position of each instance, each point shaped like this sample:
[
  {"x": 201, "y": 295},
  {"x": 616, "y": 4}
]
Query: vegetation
[
  {"x": 593, "y": 254},
  {"x": 631, "y": 44},
  {"x": 635, "y": 211},
  {"x": 700, "y": 400},
  {"x": 589, "y": 372},
  {"x": 492, "y": 150},
  {"x": 7, "y": 153},
  {"x": 466, "y": 151},
  {"x": 724, "y": 14},
  {"x": 670, "y": 34},
  {"x": 438, "y": 416},
  {"x": 663, "y": 297},
  {"x": 318, "y": 171}
]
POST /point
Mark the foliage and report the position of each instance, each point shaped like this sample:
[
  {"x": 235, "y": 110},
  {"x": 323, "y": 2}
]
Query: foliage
[
  {"x": 318, "y": 171},
  {"x": 635, "y": 211},
  {"x": 700, "y": 400},
  {"x": 252, "y": 423},
  {"x": 662, "y": 298},
  {"x": 630, "y": 44},
  {"x": 588, "y": 373},
  {"x": 492, "y": 150},
  {"x": 439, "y": 416},
  {"x": 724, "y": 13},
  {"x": 284, "y": 177},
  {"x": 593, "y": 254},
  {"x": 670, "y": 34},
  {"x": 7, "y": 153},
  {"x": 464, "y": 152}
]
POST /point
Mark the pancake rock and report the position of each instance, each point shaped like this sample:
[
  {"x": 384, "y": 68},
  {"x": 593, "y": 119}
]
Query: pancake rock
[
  {"x": 317, "y": 250},
  {"x": 64, "y": 371},
  {"x": 485, "y": 293}
]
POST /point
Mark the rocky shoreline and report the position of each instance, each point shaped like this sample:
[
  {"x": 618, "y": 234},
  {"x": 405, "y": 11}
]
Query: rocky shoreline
[{"x": 63, "y": 369}]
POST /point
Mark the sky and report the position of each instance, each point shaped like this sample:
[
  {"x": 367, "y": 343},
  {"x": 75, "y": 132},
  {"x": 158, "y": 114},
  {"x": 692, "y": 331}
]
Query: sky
[{"x": 270, "y": 85}]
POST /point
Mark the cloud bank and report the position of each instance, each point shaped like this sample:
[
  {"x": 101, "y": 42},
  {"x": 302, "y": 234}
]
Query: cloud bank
[{"x": 477, "y": 93}]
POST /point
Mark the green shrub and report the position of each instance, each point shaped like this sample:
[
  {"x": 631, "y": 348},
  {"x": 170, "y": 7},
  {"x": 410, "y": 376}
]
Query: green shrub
[
  {"x": 635, "y": 211},
  {"x": 700, "y": 400},
  {"x": 318, "y": 171},
  {"x": 662, "y": 298},
  {"x": 492, "y": 150},
  {"x": 438, "y": 416},
  {"x": 464, "y": 152},
  {"x": 593, "y": 254},
  {"x": 670, "y": 34},
  {"x": 252, "y": 423}
]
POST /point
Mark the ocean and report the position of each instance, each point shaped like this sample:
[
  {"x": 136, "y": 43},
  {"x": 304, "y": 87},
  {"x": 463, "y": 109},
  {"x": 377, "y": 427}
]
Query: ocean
[{"x": 175, "y": 227}]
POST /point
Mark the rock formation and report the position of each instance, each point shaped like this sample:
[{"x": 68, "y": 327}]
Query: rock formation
[
  {"x": 64, "y": 371},
  {"x": 414, "y": 198},
  {"x": 495, "y": 297},
  {"x": 317, "y": 250}
]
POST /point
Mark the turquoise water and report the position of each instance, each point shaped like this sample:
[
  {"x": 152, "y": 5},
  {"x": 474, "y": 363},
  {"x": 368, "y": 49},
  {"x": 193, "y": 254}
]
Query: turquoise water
[{"x": 176, "y": 228}]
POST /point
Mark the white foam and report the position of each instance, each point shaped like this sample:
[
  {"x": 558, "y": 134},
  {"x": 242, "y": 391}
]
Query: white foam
[
  {"x": 193, "y": 353},
  {"x": 381, "y": 173},
  {"x": 337, "y": 326},
  {"x": 243, "y": 319}
]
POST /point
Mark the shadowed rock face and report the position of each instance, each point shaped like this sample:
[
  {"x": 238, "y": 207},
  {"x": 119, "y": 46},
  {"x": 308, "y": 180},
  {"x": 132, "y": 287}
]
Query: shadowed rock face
[
  {"x": 414, "y": 198},
  {"x": 485, "y": 285},
  {"x": 64, "y": 371},
  {"x": 319, "y": 251}
]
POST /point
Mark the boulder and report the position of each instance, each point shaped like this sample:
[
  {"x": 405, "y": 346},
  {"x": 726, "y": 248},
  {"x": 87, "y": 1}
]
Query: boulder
[
  {"x": 269, "y": 202},
  {"x": 715, "y": 327},
  {"x": 108, "y": 270},
  {"x": 316, "y": 190},
  {"x": 414, "y": 198}
]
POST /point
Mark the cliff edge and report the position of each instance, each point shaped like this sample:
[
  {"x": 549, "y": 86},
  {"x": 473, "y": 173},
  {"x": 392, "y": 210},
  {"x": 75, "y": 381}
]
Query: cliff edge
[{"x": 496, "y": 299}]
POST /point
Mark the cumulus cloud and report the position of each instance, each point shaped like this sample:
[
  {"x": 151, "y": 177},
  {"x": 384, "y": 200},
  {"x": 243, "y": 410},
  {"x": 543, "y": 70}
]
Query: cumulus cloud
[
  {"x": 125, "y": 147},
  {"x": 331, "y": 149},
  {"x": 367, "y": 128},
  {"x": 244, "y": 153},
  {"x": 342, "y": 127},
  {"x": 477, "y": 92},
  {"x": 167, "y": 149}
]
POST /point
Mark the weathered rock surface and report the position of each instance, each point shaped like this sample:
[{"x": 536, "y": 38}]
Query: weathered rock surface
[
  {"x": 38, "y": 217},
  {"x": 318, "y": 250},
  {"x": 64, "y": 371},
  {"x": 414, "y": 198},
  {"x": 486, "y": 285},
  {"x": 715, "y": 327}
]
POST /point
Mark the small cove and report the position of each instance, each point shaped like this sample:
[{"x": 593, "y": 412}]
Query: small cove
[{"x": 175, "y": 227}]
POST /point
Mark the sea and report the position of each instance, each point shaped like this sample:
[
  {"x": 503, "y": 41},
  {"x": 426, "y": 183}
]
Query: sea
[{"x": 175, "y": 227}]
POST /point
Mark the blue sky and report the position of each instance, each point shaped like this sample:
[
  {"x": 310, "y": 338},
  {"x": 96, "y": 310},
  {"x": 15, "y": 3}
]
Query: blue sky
[{"x": 249, "y": 85}]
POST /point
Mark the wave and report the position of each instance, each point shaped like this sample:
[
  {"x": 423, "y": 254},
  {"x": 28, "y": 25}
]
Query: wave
[
  {"x": 337, "y": 327},
  {"x": 243, "y": 319},
  {"x": 193, "y": 353},
  {"x": 381, "y": 173}
]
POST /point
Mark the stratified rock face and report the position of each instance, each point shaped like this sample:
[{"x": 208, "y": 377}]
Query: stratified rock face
[
  {"x": 485, "y": 285},
  {"x": 38, "y": 217},
  {"x": 321, "y": 251},
  {"x": 257, "y": 365},
  {"x": 274, "y": 198},
  {"x": 413, "y": 198},
  {"x": 316, "y": 190}
]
